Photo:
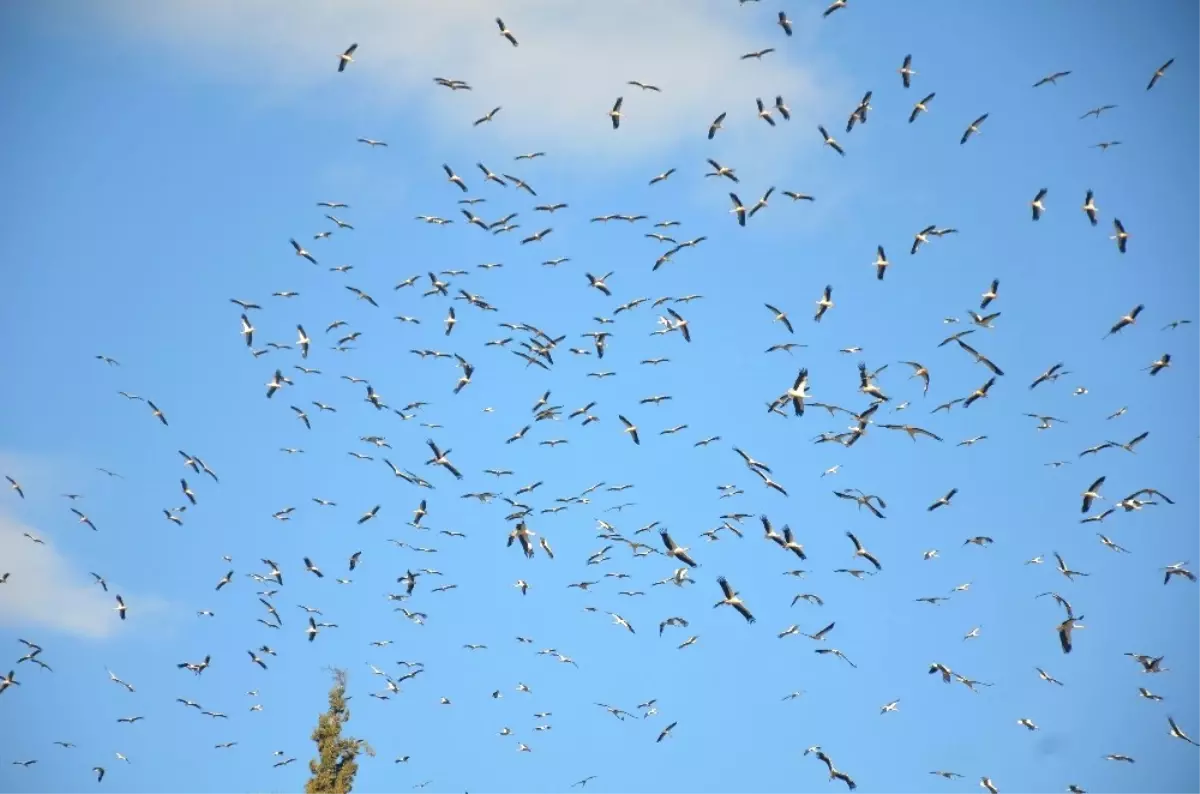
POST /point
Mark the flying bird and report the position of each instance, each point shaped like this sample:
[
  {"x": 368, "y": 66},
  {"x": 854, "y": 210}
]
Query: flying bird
[
  {"x": 1037, "y": 206},
  {"x": 346, "y": 57},
  {"x": 830, "y": 141},
  {"x": 973, "y": 129},
  {"x": 1051, "y": 79},
  {"x": 15, "y": 486},
  {"x": 860, "y": 551},
  {"x": 615, "y": 114},
  {"x": 906, "y": 71},
  {"x": 301, "y": 252},
  {"x": 920, "y": 107},
  {"x": 731, "y": 599},
  {"x": 505, "y": 32},
  {"x": 837, "y": 5},
  {"x": 1158, "y": 73}
]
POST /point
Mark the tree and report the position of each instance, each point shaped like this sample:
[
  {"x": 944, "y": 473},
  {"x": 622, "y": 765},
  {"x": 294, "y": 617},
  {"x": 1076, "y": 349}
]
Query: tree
[{"x": 336, "y": 764}]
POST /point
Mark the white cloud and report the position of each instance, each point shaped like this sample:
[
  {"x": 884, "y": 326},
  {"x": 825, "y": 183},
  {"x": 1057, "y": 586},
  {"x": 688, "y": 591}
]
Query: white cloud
[
  {"x": 45, "y": 591},
  {"x": 574, "y": 59}
]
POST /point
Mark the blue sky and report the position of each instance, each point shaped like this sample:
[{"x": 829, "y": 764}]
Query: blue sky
[{"x": 165, "y": 154}]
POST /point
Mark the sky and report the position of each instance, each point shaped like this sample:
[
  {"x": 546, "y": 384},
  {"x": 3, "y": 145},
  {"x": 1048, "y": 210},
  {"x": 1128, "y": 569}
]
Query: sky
[{"x": 164, "y": 154}]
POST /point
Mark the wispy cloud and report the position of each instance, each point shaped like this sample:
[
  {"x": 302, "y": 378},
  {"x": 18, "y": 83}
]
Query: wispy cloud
[
  {"x": 45, "y": 590},
  {"x": 555, "y": 89}
]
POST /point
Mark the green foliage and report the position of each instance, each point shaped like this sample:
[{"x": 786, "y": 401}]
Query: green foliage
[{"x": 336, "y": 764}]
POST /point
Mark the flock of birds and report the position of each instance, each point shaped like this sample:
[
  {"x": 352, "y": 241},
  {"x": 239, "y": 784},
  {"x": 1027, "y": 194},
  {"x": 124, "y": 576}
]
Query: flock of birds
[{"x": 299, "y": 384}]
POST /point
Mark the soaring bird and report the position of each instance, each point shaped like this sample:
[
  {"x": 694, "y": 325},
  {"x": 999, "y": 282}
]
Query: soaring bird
[
  {"x": 973, "y": 129},
  {"x": 921, "y": 107},
  {"x": 1037, "y": 206},
  {"x": 1048, "y": 375},
  {"x": 825, "y": 303},
  {"x": 1092, "y": 493},
  {"x": 764, "y": 112},
  {"x": 1064, "y": 630},
  {"x": 738, "y": 209},
  {"x": 781, "y": 317},
  {"x": 1051, "y": 79},
  {"x": 1120, "y": 235},
  {"x": 1158, "y": 73},
  {"x": 716, "y": 125},
  {"x": 630, "y": 428},
  {"x": 346, "y": 57},
  {"x": 943, "y": 501},
  {"x": 1162, "y": 363},
  {"x": 798, "y": 391},
  {"x": 667, "y": 732},
  {"x": 1096, "y": 111},
  {"x": 881, "y": 262},
  {"x": 660, "y": 178},
  {"x": 1126, "y": 320},
  {"x": 731, "y": 599},
  {"x": 505, "y": 32},
  {"x": 1177, "y": 733},
  {"x": 831, "y": 142},
  {"x": 834, "y": 773},
  {"x": 678, "y": 552},
  {"x": 615, "y": 114},
  {"x": 860, "y": 551},
  {"x": 15, "y": 486},
  {"x": 486, "y": 117},
  {"x": 301, "y": 252},
  {"x": 979, "y": 393},
  {"x": 1177, "y": 569},
  {"x": 836, "y": 5}
]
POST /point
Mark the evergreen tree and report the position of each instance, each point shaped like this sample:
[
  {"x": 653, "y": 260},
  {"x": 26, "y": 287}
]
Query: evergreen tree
[{"x": 336, "y": 764}]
